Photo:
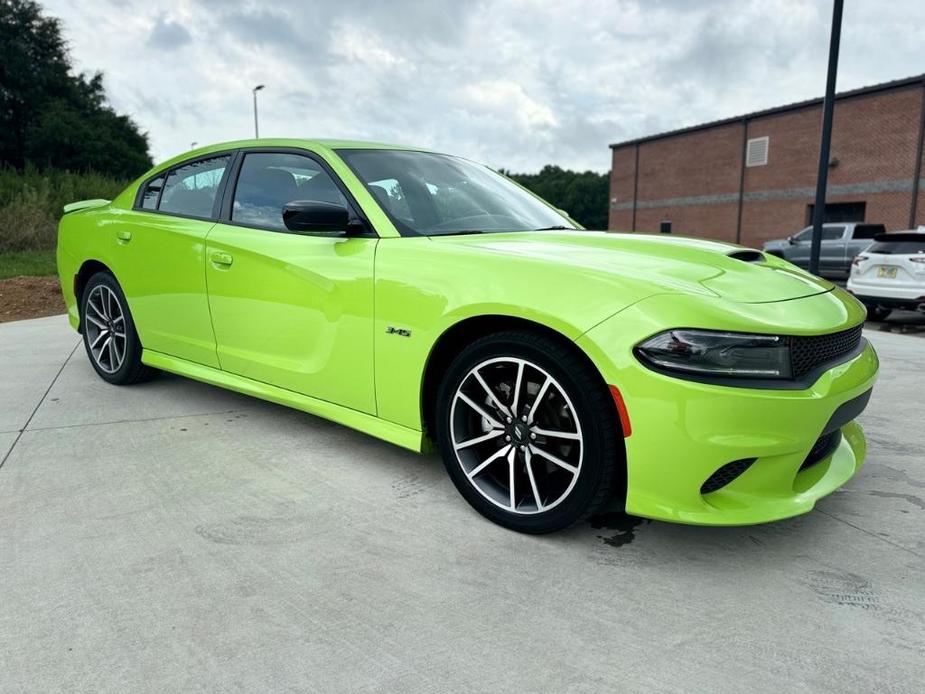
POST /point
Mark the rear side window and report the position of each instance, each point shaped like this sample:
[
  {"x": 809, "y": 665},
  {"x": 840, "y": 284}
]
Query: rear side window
[
  {"x": 191, "y": 189},
  {"x": 270, "y": 180},
  {"x": 832, "y": 233},
  {"x": 868, "y": 231},
  {"x": 152, "y": 193},
  {"x": 898, "y": 247}
]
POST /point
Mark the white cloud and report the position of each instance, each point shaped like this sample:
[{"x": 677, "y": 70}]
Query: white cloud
[{"x": 513, "y": 83}]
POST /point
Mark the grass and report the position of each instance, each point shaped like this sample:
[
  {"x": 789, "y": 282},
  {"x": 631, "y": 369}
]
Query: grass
[
  {"x": 31, "y": 202},
  {"x": 28, "y": 263}
]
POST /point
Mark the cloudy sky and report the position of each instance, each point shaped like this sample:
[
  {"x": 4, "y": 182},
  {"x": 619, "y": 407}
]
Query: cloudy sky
[{"x": 513, "y": 83}]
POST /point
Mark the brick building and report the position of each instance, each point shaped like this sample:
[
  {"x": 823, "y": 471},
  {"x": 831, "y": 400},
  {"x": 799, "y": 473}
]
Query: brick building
[{"x": 752, "y": 178}]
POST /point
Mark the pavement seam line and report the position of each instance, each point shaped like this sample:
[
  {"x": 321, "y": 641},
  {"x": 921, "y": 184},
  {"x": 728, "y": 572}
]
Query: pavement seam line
[
  {"x": 132, "y": 421},
  {"x": 42, "y": 400},
  {"x": 868, "y": 532}
]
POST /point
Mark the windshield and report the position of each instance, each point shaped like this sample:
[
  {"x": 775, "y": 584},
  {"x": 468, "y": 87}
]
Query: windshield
[{"x": 433, "y": 194}]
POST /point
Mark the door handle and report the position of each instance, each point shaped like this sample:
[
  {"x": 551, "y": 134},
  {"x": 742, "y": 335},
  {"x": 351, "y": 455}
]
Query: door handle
[
  {"x": 223, "y": 259},
  {"x": 124, "y": 236}
]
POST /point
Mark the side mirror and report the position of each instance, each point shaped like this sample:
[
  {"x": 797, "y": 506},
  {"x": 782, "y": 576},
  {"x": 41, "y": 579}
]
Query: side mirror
[
  {"x": 791, "y": 240},
  {"x": 316, "y": 217}
]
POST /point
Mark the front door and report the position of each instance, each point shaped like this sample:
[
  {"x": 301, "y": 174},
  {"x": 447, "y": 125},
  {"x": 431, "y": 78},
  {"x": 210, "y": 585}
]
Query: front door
[{"x": 288, "y": 309}]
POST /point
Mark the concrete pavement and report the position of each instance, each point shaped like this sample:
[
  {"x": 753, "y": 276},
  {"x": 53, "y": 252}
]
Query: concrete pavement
[{"x": 172, "y": 536}]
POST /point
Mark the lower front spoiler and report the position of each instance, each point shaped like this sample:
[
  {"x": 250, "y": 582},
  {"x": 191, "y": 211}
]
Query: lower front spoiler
[{"x": 745, "y": 501}]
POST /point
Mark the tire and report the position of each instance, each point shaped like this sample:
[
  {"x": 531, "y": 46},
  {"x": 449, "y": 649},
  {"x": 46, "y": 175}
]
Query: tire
[
  {"x": 878, "y": 313},
  {"x": 103, "y": 311},
  {"x": 478, "y": 445}
]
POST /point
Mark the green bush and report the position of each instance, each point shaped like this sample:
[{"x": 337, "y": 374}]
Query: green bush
[{"x": 31, "y": 202}]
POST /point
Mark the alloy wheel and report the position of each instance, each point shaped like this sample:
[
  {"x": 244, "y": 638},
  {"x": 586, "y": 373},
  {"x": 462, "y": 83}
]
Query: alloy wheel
[
  {"x": 516, "y": 435},
  {"x": 105, "y": 328}
]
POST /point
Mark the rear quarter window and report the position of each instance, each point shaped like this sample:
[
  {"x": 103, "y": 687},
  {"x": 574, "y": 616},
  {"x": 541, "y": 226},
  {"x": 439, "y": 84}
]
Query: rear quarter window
[
  {"x": 868, "y": 231},
  {"x": 898, "y": 247}
]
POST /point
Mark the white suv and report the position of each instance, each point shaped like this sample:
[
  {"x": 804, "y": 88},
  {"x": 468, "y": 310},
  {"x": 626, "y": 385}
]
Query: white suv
[{"x": 891, "y": 273}]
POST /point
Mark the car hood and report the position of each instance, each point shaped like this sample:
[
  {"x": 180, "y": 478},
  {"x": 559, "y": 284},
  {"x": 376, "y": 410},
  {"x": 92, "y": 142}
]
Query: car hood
[{"x": 664, "y": 264}]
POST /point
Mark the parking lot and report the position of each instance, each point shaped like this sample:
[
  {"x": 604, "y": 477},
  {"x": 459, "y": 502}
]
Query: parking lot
[{"x": 173, "y": 536}]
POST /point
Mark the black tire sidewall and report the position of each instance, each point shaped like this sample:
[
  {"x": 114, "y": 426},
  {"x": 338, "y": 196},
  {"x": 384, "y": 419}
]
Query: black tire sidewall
[
  {"x": 127, "y": 372},
  {"x": 597, "y": 454}
]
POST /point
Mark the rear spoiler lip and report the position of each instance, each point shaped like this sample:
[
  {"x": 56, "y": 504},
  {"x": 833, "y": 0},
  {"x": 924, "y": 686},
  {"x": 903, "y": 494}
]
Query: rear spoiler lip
[{"x": 85, "y": 205}]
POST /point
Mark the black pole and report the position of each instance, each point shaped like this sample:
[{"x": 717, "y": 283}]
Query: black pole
[{"x": 828, "y": 106}]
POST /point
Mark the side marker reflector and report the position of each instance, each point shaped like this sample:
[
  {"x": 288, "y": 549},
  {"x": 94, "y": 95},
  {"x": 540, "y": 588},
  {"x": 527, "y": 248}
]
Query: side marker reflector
[{"x": 621, "y": 410}]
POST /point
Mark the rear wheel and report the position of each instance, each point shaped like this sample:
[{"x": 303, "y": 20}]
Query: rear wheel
[
  {"x": 528, "y": 432},
  {"x": 109, "y": 333}
]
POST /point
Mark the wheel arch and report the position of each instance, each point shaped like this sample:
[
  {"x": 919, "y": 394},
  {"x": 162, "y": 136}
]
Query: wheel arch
[
  {"x": 461, "y": 334},
  {"x": 87, "y": 269}
]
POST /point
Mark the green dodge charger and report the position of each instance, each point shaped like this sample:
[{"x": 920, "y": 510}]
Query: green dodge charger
[{"x": 427, "y": 300}]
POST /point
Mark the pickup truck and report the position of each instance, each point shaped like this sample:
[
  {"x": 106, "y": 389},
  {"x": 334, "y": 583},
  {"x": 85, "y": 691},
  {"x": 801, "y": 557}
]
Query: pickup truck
[{"x": 840, "y": 243}]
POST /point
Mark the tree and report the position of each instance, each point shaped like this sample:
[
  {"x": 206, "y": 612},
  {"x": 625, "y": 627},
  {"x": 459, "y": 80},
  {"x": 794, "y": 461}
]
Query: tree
[
  {"x": 582, "y": 194},
  {"x": 53, "y": 118}
]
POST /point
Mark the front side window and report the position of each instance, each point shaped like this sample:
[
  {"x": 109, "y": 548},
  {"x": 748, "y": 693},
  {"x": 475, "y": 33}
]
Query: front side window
[
  {"x": 191, "y": 189},
  {"x": 433, "y": 194},
  {"x": 270, "y": 180},
  {"x": 832, "y": 233}
]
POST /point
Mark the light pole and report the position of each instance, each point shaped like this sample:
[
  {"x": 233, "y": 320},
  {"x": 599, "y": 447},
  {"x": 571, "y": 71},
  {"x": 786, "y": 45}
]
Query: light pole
[
  {"x": 828, "y": 106},
  {"x": 255, "y": 90},
  {"x": 192, "y": 145}
]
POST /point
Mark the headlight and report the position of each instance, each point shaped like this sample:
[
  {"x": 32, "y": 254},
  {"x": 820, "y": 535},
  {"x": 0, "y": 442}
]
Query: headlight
[{"x": 711, "y": 353}]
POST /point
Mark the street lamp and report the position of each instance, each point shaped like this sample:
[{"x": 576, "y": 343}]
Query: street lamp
[
  {"x": 192, "y": 145},
  {"x": 255, "y": 90}
]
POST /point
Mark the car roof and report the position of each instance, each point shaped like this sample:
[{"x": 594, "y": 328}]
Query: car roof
[
  {"x": 906, "y": 235},
  {"x": 310, "y": 143}
]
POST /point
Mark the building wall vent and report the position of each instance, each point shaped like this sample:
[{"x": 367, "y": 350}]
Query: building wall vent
[{"x": 756, "y": 151}]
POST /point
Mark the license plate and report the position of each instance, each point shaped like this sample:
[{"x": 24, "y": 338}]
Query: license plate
[{"x": 887, "y": 272}]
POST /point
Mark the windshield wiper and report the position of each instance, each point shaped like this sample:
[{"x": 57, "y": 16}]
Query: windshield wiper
[
  {"x": 458, "y": 233},
  {"x": 558, "y": 227}
]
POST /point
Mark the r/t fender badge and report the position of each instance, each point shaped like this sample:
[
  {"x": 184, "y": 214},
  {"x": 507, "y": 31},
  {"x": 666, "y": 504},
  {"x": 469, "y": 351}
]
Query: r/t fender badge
[{"x": 401, "y": 332}]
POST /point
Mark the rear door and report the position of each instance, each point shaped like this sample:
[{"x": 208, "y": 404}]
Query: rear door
[
  {"x": 289, "y": 309},
  {"x": 160, "y": 247}
]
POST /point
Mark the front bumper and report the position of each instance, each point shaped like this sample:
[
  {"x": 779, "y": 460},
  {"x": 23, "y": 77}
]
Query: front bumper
[{"x": 683, "y": 431}]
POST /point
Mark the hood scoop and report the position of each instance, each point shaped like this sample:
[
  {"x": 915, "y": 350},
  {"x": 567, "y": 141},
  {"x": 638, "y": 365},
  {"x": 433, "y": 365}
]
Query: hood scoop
[{"x": 746, "y": 255}]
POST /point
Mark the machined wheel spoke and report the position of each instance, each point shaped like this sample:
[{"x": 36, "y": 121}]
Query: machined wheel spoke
[
  {"x": 99, "y": 310},
  {"x": 103, "y": 348},
  {"x": 488, "y": 461},
  {"x": 511, "y": 458},
  {"x": 494, "y": 433},
  {"x": 550, "y": 433},
  {"x": 103, "y": 333},
  {"x": 491, "y": 395},
  {"x": 112, "y": 354},
  {"x": 520, "y": 377},
  {"x": 118, "y": 320},
  {"x": 528, "y": 463},
  {"x": 478, "y": 408},
  {"x": 553, "y": 459},
  {"x": 539, "y": 399},
  {"x": 98, "y": 324},
  {"x": 120, "y": 350}
]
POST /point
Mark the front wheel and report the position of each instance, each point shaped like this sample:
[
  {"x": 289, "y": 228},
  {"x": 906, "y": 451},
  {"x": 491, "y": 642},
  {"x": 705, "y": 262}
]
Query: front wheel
[{"x": 528, "y": 432}]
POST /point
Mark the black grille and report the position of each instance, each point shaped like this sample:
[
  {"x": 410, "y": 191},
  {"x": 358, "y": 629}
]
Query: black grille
[
  {"x": 823, "y": 447},
  {"x": 725, "y": 475},
  {"x": 807, "y": 353}
]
